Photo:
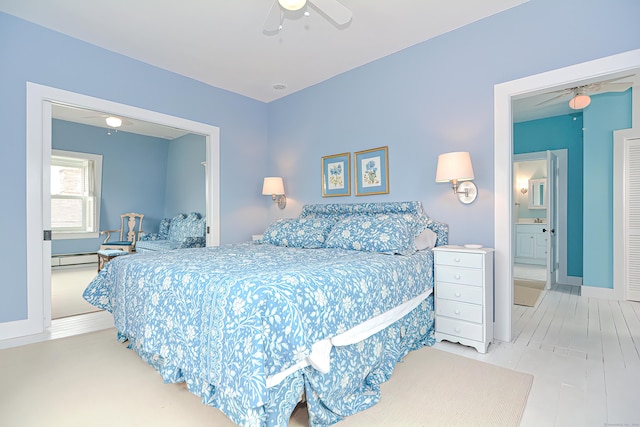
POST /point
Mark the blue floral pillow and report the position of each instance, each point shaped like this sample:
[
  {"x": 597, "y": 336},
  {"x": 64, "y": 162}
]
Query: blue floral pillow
[
  {"x": 308, "y": 233},
  {"x": 390, "y": 234}
]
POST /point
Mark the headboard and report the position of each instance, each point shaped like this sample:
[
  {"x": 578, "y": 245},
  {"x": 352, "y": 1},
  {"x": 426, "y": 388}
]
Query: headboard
[{"x": 413, "y": 209}]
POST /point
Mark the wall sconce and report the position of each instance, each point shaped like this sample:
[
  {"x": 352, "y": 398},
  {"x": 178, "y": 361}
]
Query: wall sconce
[
  {"x": 523, "y": 184},
  {"x": 274, "y": 186},
  {"x": 455, "y": 167}
]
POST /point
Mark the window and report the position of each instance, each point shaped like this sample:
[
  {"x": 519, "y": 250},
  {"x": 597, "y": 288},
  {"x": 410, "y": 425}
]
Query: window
[{"x": 75, "y": 194}]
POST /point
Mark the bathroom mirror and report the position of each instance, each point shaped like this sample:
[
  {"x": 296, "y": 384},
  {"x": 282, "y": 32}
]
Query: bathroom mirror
[{"x": 537, "y": 193}]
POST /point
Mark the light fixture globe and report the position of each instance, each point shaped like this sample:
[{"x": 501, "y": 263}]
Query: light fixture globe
[
  {"x": 292, "y": 4},
  {"x": 579, "y": 101},
  {"x": 114, "y": 122}
]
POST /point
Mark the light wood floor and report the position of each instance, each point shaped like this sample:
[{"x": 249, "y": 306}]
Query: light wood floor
[{"x": 583, "y": 353}]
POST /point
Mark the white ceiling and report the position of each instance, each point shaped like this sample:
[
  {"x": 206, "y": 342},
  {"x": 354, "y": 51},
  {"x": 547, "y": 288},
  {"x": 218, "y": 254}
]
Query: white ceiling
[{"x": 221, "y": 42}]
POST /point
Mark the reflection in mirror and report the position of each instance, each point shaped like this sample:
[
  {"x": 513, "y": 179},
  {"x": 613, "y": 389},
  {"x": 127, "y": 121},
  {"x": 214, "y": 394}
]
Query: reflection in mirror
[{"x": 536, "y": 193}]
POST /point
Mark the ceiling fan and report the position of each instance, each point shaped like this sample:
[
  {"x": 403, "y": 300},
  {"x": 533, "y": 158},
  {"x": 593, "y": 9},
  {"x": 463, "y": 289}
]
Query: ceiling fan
[
  {"x": 280, "y": 9},
  {"x": 580, "y": 95},
  {"x": 112, "y": 120}
]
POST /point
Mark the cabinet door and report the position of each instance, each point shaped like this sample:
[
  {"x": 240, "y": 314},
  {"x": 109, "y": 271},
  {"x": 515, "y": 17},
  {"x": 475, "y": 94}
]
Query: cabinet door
[
  {"x": 525, "y": 245},
  {"x": 541, "y": 246}
]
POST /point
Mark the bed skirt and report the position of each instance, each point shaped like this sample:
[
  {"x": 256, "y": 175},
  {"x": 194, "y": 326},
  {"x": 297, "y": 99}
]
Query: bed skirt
[{"x": 351, "y": 385}]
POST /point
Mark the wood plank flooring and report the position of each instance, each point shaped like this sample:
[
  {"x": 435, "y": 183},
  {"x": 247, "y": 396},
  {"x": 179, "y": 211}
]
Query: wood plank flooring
[{"x": 584, "y": 355}]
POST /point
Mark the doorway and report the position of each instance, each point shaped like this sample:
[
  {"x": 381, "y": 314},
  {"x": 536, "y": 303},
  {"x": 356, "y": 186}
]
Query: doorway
[
  {"x": 540, "y": 224},
  {"x": 98, "y": 168},
  {"x": 504, "y": 94},
  {"x": 39, "y": 99}
]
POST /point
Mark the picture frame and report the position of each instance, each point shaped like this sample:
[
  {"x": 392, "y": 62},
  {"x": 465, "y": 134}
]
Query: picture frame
[
  {"x": 372, "y": 171},
  {"x": 336, "y": 175}
]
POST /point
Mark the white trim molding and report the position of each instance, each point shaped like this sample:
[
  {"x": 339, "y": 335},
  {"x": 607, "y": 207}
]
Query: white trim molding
[
  {"x": 38, "y": 122},
  {"x": 504, "y": 93}
]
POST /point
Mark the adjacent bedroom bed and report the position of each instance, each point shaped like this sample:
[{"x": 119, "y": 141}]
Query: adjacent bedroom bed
[{"x": 321, "y": 309}]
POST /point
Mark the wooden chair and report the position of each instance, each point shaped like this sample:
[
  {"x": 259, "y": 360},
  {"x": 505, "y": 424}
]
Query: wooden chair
[{"x": 128, "y": 236}]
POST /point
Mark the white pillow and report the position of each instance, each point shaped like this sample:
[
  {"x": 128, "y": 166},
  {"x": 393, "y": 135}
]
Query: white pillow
[{"x": 426, "y": 240}]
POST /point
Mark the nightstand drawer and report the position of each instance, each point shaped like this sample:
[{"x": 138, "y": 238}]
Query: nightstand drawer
[
  {"x": 459, "y": 259},
  {"x": 459, "y": 328},
  {"x": 459, "y": 310},
  {"x": 464, "y": 293},
  {"x": 465, "y": 276}
]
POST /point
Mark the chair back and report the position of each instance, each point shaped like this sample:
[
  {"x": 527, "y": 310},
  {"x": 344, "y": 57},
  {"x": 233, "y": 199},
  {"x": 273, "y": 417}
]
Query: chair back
[{"x": 133, "y": 227}]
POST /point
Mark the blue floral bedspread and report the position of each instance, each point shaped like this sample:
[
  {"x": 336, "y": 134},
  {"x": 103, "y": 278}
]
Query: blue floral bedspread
[{"x": 224, "y": 319}]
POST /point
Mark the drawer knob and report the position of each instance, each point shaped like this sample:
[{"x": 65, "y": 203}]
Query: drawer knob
[
  {"x": 457, "y": 276},
  {"x": 458, "y": 294},
  {"x": 456, "y": 259},
  {"x": 457, "y": 330},
  {"x": 456, "y": 311}
]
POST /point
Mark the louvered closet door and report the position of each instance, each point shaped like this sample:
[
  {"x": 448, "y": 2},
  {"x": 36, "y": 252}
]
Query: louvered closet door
[{"x": 632, "y": 217}]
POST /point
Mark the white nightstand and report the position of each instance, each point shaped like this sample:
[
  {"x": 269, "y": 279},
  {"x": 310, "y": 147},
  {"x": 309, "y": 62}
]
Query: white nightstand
[{"x": 464, "y": 295}]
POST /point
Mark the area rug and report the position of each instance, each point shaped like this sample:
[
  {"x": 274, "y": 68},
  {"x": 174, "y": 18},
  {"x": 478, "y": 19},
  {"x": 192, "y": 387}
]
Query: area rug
[
  {"x": 435, "y": 388},
  {"x": 527, "y": 292},
  {"x": 92, "y": 379}
]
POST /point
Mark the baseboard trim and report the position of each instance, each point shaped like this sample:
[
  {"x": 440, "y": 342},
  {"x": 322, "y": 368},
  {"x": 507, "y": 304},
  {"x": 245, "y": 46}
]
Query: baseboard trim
[
  {"x": 574, "y": 280},
  {"x": 594, "y": 292},
  {"x": 74, "y": 259}
]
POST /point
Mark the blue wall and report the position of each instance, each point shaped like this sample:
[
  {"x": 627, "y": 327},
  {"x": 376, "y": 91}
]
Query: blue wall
[
  {"x": 437, "y": 97},
  {"x": 607, "y": 112},
  {"x": 556, "y": 133},
  {"x": 153, "y": 176},
  {"x": 134, "y": 169},
  {"x": 185, "y": 176},
  {"x": 434, "y": 97}
]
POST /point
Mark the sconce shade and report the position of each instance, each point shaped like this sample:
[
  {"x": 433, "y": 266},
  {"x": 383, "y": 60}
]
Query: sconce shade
[
  {"x": 272, "y": 185},
  {"x": 454, "y": 166}
]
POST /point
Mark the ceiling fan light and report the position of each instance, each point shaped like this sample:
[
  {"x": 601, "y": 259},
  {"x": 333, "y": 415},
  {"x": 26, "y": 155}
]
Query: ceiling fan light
[
  {"x": 114, "y": 122},
  {"x": 292, "y": 4},
  {"x": 579, "y": 101}
]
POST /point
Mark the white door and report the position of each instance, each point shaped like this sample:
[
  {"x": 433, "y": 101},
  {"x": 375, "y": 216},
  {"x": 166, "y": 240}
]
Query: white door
[{"x": 552, "y": 215}]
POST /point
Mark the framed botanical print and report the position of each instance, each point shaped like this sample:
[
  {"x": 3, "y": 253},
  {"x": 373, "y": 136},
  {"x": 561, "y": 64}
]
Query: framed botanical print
[
  {"x": 336, "y": 175},
  {"x": 372, "y": 171}
]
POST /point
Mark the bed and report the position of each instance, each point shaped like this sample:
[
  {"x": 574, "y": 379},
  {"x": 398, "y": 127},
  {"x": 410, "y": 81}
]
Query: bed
[{"x": 323, "y": 307}]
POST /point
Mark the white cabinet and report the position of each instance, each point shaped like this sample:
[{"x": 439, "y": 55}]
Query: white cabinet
[
  {"x": 531, "y": 244},
  {"x": 464, "y": 295}
]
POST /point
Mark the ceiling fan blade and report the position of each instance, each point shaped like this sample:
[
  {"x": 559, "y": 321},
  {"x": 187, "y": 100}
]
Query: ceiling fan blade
[
  {"x": 614, "y": 87},
  {"x": 334, "y": 10},
  {"x": 562, "y": 95},
  {"x": 616, "y": 79},
  {"x": 274, "y": 19}
]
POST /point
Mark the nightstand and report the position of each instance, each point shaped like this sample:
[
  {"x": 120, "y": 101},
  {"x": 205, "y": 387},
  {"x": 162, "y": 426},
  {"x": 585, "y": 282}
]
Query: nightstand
[{"x": 464, "y": 295}]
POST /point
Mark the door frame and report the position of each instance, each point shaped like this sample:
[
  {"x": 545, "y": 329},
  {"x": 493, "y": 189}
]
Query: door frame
[
  {"x": 38, "y": 217},
  {"x": 504, "y": 93}
]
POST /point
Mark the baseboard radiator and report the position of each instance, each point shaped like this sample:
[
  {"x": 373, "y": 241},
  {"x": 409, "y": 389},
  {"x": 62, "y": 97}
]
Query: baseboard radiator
[{"x": 74, "y": 259}]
